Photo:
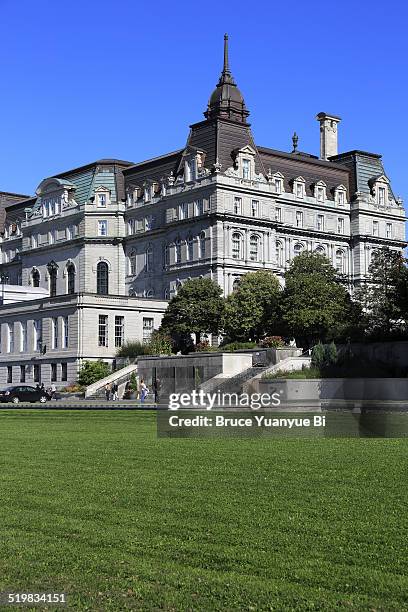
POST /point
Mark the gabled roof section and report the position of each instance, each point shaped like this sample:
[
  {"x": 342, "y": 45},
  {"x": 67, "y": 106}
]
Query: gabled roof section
[
  {"x": 153, "y": 169},
  {"x": 293, "y": 165}
]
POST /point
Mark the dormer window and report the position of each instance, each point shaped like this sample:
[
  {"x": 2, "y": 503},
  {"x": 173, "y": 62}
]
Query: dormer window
[
  {"x": 381, "y": 196},
  {"x": 102, "y": 200},
  {"x": 299, "y": 187},
  {"x": 277, "y": 181},
  {"x": 147, "y": 193},
  {"x": 320, "y": 192},
  {"x": 190, "y": 170},
  {"x": 380, "y": 189},
  {"x": 246, "y": 169}
]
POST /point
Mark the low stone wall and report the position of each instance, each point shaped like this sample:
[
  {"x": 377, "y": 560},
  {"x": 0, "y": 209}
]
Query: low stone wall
[
  {"x": 390, "y": 353},
  {"x": 183, "y": 373},
  {"x": 338, "y": 391}
]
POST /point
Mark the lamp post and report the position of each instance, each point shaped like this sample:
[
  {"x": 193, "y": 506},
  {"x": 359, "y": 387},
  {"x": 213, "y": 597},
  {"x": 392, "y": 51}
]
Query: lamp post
[{"x": 3, "y": 280}]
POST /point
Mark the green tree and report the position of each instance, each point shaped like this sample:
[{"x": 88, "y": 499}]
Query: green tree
[
  {"x": 92, "y": 371},
  {"x": 252, "y": 311},
  {"x": 160, "y": 344},
  {"x": 197, "y": 308},
  {"x": 384, "y": 297},
  {"x": 315, "y": 303}
]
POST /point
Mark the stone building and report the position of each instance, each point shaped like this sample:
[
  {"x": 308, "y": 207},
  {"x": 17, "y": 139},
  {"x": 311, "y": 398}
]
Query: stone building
[{"x": 112, "y": 241}]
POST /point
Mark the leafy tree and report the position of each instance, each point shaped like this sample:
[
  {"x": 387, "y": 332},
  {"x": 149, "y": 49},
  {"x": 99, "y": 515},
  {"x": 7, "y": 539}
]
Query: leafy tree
[
  {"x": 315, "y": 303},
  {"x": 197, "y": 308},
  {"x": 92, "y": 371},
  {"x": 253, "y": 309},
  {"x": 384, "y": 297}
]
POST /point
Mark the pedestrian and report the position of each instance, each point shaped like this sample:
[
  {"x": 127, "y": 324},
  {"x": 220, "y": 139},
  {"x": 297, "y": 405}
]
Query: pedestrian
[
  {"x": 108, "y": 391},
  {"x": 115, "y": 390},
  {"x": 42, "y": 387},
  {"x": 143, "y": 391},
  {"x": 53, "y": 391},
  {"x": 156, "y": 389}
]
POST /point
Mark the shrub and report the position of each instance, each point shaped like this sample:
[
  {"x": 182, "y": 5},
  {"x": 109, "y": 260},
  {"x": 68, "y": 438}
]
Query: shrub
[
  {"x": 133, "y": 349},
  {"x": 160, "y": 344},
  {"x": 92, "y": 371},
  {"x": 330, "y": 354},
  {"x": 237, "y": 346},
  {"x": 272, "y": 342},
  {"x": 203, "y": 346},
  {"x": 74, "y": 388},
  {"x": 318, "y": 355}
]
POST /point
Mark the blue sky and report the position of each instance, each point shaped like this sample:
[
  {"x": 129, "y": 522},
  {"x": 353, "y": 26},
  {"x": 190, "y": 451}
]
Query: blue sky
[{"x": 81, "y": 80}]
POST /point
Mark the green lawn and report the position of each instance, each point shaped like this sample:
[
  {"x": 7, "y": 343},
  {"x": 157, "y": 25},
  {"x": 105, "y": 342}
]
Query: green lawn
[{"x": 92, "y": 503}]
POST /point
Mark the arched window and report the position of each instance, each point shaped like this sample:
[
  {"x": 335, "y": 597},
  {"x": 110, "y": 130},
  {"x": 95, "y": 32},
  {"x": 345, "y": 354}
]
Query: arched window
[
  {"x": 102, "y": 278},
  {"x": 132, "y": 263},
  {"x": 177, "y": 251},
  {"x": 237, "y": 250},
  {"x": 149, "y": 294},
  {"x": 70, "y": 278},
  {"x": 235, "y": 284},
  {"x": 166, "y": 294},
  {"x": 35, "y": 277},
  {"x": 279, "y": 254},
  {"x": 190, "y": 248},
  {"x": 201, "y": 245},
  {"x": 254, "y": 247},
  {"x": 320, "y": 249},
  {"x": 132, "y": 293},
  {"x": 297, "y": 249},
  {"x": 340, "y": 261},
  {"x": 52, "y": 268},
  {"x": 149, "y": 259}
]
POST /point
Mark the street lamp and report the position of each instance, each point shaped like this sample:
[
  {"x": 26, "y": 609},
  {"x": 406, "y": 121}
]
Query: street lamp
[{"x": 3, "y": 280}]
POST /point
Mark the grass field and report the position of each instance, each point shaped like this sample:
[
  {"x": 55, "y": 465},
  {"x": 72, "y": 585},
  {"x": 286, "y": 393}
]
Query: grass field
[{"x": 92, "y": 503}]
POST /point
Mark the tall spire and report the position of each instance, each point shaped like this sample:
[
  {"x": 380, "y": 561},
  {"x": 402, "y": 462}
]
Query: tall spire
[
  {"x": 226, "y": 63},
  {"x": 226, "y": 101},
  {"x": 226, "y": 76}
]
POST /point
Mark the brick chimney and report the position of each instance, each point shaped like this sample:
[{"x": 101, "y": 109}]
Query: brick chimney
[{"x": 328, "y": 134}]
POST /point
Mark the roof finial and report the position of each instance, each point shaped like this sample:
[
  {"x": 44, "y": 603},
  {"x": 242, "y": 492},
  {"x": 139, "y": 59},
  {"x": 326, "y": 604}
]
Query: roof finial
[
  {"x": 226, "y": 68},
  {"x": 295, "y": 140}
]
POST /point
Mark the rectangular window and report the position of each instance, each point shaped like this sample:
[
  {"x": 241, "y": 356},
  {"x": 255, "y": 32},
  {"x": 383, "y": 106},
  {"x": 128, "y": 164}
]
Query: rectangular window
[
  {"x": 340, "y": 225},
  {"x": 381, "y": 196},
  {"x": 37, "y": 372},
  {"x": 103, "y": 330},
  {"x": 299, "y": 219},
  {"x": 51, "y": 237},
  {"x": 147, "y": 329},
  {"x": 64, "y": 371},
  {"x": 65, "y": 332},
  {"x": 375, "y": 228},
  {"x": 191, "y": 170},
  {"x": 9, "y": 374},
  {"x": 341, "y": 198},
  {"x": 279, "y": 215},
  {"x": 33, "y": 242},
  {"x": 237, "y": 206},
  {"x": 199, "y": 208},
  {"x": 299, "y": 190},
  {"x": 53, "y": 372},
  {"x": 22, "y": 374},
  {"x": 246, "y": 169},
  {"x": 183, "y": 211},
  {"x": 37, "y": 333},
  {"x": 320, "y": 223},
  {"x": 23, "y": 337},
  {"x": 255, "y": 208},
  {"x": 102, "y": 228},
  {"x": 102, "y": 199},
  {"x": 10, "y": 347},
  {"x": 320, "y": 194},
  {"x": 119, "y": 331},
  {"x": 54, "y": 323},
  {"x": 278, "y": 185},
  {"x": 388, "y": 231}
]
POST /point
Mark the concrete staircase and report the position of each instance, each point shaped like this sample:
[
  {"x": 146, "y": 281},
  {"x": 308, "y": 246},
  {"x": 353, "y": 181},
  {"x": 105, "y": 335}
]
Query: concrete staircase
[{"x": 120, "y": 377}]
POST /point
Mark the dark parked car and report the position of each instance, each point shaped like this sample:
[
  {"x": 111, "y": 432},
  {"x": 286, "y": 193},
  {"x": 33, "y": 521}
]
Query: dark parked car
[{"x": 22, "y": 393}]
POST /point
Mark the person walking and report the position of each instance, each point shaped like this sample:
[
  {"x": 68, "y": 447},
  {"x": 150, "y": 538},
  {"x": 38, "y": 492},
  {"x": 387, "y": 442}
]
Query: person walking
[
  {"x": 143, "y": 391},
  {"x": 108, "y": 391},
  {"x": 115, "y": 390}
]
